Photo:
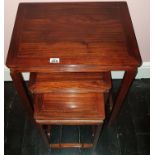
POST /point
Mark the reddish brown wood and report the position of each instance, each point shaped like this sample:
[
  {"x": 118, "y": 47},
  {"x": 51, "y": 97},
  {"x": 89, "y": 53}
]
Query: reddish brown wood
[
  {"x": 85, "y": 36},
  {"x": 70, "y": 122},
  {"x": 124, "y": 87},
  {"x": 54, "y": 108},
  {"x": 89, "y": 37},
  {"x": 66, "y": 76},
  {"x": 74, "y": 68},
  {"x": 74, "y": 82},
  {"x": 71, "y": 145},
  {"x": 129, "y": 32}
]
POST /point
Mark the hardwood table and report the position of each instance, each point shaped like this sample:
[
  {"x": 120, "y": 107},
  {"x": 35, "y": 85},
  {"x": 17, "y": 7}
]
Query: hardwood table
[{"x": 80, "y": 37}]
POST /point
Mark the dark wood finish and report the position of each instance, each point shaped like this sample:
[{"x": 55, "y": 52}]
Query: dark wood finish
[
  {"x": 74, "y": 82},
  {"x": 124, "y": 87},
  {"x": 69, "y": 108}
]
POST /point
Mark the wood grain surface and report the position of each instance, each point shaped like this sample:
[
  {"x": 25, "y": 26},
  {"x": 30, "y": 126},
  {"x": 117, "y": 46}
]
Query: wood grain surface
[
  {"x": 69, "y": 82},
  {"x": 70, "y": 108},
  {"x": 93, "y": 36}
]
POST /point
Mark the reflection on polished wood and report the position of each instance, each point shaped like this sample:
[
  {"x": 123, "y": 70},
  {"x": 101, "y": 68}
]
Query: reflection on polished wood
[
  {"x": 74, "y": 107},
  {"x": 69, "y": 145}
]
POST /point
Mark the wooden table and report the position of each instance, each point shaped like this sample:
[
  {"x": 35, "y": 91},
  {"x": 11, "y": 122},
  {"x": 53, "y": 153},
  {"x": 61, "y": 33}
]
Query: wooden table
[{"x": 83, "y": 37}]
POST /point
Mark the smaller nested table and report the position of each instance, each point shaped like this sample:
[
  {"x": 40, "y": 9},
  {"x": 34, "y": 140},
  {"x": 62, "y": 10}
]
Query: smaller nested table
[
  {"x": 73, "y": 38},
  {"x": 70, "y": 99}
]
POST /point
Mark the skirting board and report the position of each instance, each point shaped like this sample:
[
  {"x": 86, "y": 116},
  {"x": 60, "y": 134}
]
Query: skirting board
[{"x": 143, "y": 72}]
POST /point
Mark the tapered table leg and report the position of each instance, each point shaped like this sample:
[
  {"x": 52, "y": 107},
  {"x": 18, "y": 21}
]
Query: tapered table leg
[
  {"x": 22, "y": 92},
  {"x": 48, "y": 131},
  {"x": 25, "y": 100},
  {"x": 124, "y": 87},
  {"x": 97, "y": 135},
  {"x": 44, "y": 134}
]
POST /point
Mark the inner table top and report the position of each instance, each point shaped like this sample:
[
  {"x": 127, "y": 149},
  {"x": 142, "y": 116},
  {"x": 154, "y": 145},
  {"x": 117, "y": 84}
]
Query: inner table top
[{"x": 94, "y": 36}]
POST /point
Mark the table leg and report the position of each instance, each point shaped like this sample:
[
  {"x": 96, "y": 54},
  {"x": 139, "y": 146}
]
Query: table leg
[
  {"x": 48, "y": 130},
  {"x": 43, "y": 134},
  {"x": 21, "y": 89},
  {"x": 25, "y": 100},
  {"x": 97, "y": 135},
  {"x": 124, "y": 87}
]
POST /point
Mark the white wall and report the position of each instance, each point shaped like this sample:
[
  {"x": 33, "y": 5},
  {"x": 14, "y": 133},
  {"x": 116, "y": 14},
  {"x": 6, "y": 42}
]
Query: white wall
[{"x": 139, "y": 10}]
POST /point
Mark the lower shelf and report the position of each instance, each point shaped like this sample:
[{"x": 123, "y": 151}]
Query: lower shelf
[
  {"x": 72, "y": 136},
  {"x": 69, "y": 82},
  {"x": 69, "y": 108}
]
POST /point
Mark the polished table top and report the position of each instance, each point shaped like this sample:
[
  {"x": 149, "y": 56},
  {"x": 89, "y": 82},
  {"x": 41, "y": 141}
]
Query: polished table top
[{"x": 82, "y": 36}]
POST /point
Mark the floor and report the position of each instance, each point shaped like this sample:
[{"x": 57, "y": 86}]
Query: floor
[{"x": 129, "y": 135}]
